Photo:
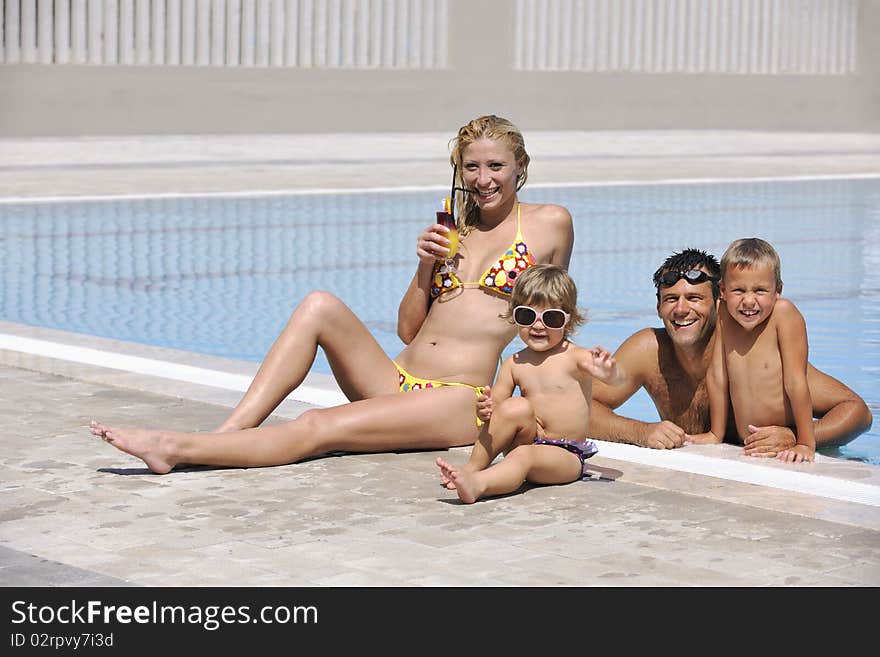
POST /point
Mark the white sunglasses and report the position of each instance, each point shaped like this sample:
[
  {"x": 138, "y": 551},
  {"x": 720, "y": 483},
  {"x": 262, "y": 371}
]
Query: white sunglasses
[{"x": 552, "y": 318}]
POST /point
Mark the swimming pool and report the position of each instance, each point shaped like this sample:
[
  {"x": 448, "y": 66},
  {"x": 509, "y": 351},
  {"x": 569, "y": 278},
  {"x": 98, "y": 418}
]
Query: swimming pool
[{"x": 220, "y": 274}]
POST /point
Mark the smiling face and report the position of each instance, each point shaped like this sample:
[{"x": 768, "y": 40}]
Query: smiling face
[
  {"x": 750, "y": 293},
  {"x": 539, "y": 337},
  {"x": 490, "y": 168},
  {"x": 688, "y": 312}
]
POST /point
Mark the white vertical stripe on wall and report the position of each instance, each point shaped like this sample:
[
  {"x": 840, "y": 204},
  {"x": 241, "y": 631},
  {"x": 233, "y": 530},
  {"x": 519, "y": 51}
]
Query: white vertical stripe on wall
[
  {"x": 29, "y": 31},
  {"x": 141, "y": 32},
  {"x": 248, "y": 37},
  {"x": 757, "y": 29},
  {"x": 387, "y": 28},
  {"x": 126, "y": 32},
  {"x": 833, "y": 26},
  {"x": 319, "y": 27},
  {"x": 218, "y": 33},
  {"x": 616, "y": 36},
  {"x": 111, "y": 32},
  {"x": 519, "y": 36},
  {"x": 45, "y": 23},
  {"x": 78, "y": 32},
  {"x": 96, "y": 29},
  {"x": 305, "y": 33},
  {"x": 276, "y": 38},
  {"x": 157, "y": 33},
  {"x": 442, "y": 27},
  {"x": 375, "y": 33},
  {"x": 248, "y": 32},
  {"x": 264, "y": 13},
  {"x": 334, "y": 33},
  {"x": 172, "y": 32},
  {"x": 637, "y": 36},
  {"x": 188, "y": 32},
  {"x": 401, "y": 33},
  {"x": 416, "y": 46},
  {"x": 541, "y": 34},
  {"x": 3, "y": 29},
  {"x": 852, "y": 31},
  {"x": 203, "y": 32},
  {"x": 401, "y": 27},
  {"x": 53, "y": 31},
  {"x": 554, "y": 29},
  {"x": 348, "y": 34},
  {"x": 431, "y": 35},
  {"x": 12, "y": 20},
  {"x": 362, "y": 27},
  {"x": 291, "y": 30}
]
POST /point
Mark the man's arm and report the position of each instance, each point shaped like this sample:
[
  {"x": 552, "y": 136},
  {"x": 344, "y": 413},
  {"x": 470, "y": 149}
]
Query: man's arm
[
  {"x": 637, "y": 356},
  {"x": 718, "y": 389}
]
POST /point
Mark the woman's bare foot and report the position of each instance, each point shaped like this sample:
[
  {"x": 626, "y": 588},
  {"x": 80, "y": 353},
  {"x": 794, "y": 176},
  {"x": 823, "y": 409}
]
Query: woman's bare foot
[
  {"x": 461, "y": 480},
  {"x": 149, "y": 446}
]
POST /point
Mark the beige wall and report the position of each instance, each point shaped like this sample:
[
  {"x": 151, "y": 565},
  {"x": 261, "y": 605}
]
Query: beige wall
[{"x": 72, "y": 100}]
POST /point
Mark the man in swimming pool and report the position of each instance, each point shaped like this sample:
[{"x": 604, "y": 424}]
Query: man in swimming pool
[{"x": 670, "y": 363}]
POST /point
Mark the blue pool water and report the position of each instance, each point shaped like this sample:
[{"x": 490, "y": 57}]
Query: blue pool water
[{"x": 220, "y": 275}]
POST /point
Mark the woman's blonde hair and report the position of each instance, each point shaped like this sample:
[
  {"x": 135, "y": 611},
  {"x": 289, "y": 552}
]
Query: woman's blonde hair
[
  {"x": 489, "y": 127},
  {"x": 550, "y": 286}
]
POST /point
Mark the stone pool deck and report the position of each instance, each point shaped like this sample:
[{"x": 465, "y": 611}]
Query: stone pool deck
[{"x": 77, "y": 512}]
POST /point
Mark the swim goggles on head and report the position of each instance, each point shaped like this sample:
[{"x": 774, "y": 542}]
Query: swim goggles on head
[
  {"x": 552, "y": 318},
  {"x": 692, "y": 276}
]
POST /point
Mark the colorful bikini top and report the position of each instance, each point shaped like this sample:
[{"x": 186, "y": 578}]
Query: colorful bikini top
[{"x": 500, "y": 277}]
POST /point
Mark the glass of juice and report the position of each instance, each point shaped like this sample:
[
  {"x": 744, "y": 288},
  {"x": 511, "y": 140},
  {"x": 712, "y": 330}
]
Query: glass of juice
[{"x": 445, "y": 218}]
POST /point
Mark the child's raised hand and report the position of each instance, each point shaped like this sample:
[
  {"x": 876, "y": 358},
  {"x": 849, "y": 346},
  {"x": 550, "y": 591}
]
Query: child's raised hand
[
  {"x": 602, "y": 365},
  {"x": 484, "y": 405},
  {"x": 797, "y": 454}
]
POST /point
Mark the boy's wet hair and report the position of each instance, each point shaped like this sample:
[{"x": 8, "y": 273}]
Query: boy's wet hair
[
  {"x": 685, "y": 261},
  {"x": 751, "y": 252},
  {"x": 550, "y": 286}
]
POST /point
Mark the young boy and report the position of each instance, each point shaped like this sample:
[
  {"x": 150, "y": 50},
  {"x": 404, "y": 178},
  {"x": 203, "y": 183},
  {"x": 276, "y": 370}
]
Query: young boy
[
  {"x": 542, "y": 432},
  {"x": 760, "y": 354}
]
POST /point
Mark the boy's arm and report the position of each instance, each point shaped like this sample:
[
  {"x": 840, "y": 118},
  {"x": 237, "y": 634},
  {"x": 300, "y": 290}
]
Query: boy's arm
[
  {"x": 637, "y": 357},
  {"x": 791, "y": 331},
  {"x": 718, "y": 387}
]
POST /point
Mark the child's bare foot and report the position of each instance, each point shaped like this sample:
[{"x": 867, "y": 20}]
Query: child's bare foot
[
  {"x": 461, "y": 480},
  {"x": 446, "y": 471},
  {"x": 148, "y": 446}
]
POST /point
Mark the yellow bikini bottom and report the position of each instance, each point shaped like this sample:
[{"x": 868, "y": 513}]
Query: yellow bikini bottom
[{"x": 408, "y": 383}]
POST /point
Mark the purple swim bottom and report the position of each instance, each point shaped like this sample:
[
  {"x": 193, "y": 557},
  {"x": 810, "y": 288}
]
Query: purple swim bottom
[{"x": 583, "y": 449}]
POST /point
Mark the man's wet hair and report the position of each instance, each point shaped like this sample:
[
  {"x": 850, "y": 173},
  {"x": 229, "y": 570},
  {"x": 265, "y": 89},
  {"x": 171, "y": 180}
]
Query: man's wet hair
[{"x": 687, "y": 260}]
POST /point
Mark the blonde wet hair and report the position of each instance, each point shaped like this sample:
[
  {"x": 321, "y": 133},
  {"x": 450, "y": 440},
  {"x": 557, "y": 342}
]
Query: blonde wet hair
[
  {"x": 550, "y": 286},
  {"x": 488, "y": 127},
  {"x": 752, "y": 252}
]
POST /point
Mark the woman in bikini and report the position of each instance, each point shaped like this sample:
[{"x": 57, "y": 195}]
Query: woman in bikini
[{"x": 449, "y": 319}]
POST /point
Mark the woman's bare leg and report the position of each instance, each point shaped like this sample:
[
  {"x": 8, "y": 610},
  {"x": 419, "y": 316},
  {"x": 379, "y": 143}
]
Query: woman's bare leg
[
  {"x": 542, "y": 464},
  {"x": 361, "y": 367},
  {"x": 429, "y": 419}
]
